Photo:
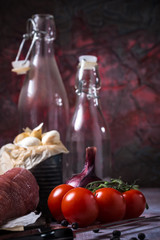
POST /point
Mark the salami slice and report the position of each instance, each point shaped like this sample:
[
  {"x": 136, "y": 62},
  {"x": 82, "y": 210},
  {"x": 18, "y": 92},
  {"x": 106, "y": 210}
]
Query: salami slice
[{"x": 19, "y": 194}]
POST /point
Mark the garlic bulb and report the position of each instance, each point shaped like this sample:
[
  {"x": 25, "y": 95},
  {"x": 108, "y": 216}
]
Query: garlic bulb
[
  {"x": 51, "y": 137},
  {"x": 28, "y": 142},
  {"x": 21, "y": 136}
]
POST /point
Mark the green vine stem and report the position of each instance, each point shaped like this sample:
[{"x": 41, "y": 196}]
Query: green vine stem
[{"x": 117, "y": 184}]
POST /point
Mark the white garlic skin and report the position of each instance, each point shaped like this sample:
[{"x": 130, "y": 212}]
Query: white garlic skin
[
  {"x": 51, "y": 137},
  {"x": 29, "y": 142}
]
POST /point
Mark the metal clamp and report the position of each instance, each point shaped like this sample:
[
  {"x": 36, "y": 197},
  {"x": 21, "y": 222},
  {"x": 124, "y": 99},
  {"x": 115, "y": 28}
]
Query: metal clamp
[{"x": 30, "y": 34}]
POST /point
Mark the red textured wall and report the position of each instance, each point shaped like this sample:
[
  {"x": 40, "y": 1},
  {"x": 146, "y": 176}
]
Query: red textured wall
[{"x": 125, "y": 36}]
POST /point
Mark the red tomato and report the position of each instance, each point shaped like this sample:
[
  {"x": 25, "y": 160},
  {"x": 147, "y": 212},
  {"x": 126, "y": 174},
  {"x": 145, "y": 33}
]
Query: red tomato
[
  {"x": 111, "y": 205},
  {"x": 79, "y": 205},
  {"x": 135, "y": 203},
  {"x": 55, "y": 198}
]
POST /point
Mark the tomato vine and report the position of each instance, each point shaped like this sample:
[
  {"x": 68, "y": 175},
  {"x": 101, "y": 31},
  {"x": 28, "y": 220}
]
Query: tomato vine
[{"x": 117, "y": 184}]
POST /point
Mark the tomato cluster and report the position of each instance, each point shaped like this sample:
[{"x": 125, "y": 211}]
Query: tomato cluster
[{"x": 104, "y": 205}]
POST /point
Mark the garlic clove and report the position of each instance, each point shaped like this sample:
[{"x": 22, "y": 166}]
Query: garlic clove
[
  {"x": 21, "y": 136},
  {"x": 38, "y": 127},
  {"x": 51, "y": 137},
  {"x": 37, "y": 132},
  {"x": 28, "y": 142}
]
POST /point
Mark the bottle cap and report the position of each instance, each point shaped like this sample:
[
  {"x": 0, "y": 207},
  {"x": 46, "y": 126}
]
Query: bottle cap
[
  {"x": 88, "y": 58},
  {"x": 87, "y": 62},
  {"x": 20, "y": 66}
]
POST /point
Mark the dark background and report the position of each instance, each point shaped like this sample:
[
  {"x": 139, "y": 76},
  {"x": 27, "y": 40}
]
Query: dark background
[{"x": 125, "y": 35}]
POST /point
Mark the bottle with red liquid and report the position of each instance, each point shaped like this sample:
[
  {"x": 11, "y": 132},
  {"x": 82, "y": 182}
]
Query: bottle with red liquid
[
  {"x": 43, "y": 97},
  {"x": 88, "y": 126}
]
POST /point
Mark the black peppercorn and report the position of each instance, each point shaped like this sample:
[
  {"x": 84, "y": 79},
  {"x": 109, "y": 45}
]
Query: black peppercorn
[
  {"x": 116, "y": 233},
  {"x": 96, "y": 230},
  {"x": 75, "y": 225},
  {"x": 141, "y": 236},
  {"x": 64, "y": 223}
]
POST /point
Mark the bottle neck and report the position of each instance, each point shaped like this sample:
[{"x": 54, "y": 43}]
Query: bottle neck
[
  {"x": 88, "y": 81},
  {"x": 44, "y": 34},
  {"x": 44, "y": 26},
  {"x": 89, "y": 93},
  {"x": 43, "y": 48},
  {"x": 86, "y": 101}
]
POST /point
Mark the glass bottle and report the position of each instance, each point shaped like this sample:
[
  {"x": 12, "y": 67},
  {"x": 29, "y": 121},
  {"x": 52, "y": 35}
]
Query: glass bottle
[
  {"x": 88, "y": 126},
  {"x": 43, "y": 97}
]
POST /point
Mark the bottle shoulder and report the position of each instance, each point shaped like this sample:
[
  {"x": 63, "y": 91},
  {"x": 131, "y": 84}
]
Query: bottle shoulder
[{"x": 88, "y": 119}]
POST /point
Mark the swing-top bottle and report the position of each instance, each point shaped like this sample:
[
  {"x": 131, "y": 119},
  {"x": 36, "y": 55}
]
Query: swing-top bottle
[
  {"x": 43, "y": 97},
  {"x": 88, "y": 126}
]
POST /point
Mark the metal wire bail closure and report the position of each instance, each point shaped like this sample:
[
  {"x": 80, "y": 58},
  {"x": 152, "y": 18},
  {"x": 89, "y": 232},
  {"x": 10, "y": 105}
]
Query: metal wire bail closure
[{"x": 22, "y": 66}]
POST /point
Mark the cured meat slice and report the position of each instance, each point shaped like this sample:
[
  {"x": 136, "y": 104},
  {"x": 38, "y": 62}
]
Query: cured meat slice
[{"x": 19, "y": 194}]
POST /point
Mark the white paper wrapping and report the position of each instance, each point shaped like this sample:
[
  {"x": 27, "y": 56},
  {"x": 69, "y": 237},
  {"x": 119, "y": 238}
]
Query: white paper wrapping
[
  {"x": 18, "y": 224},
  {"x": 14, "y": 156}
]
